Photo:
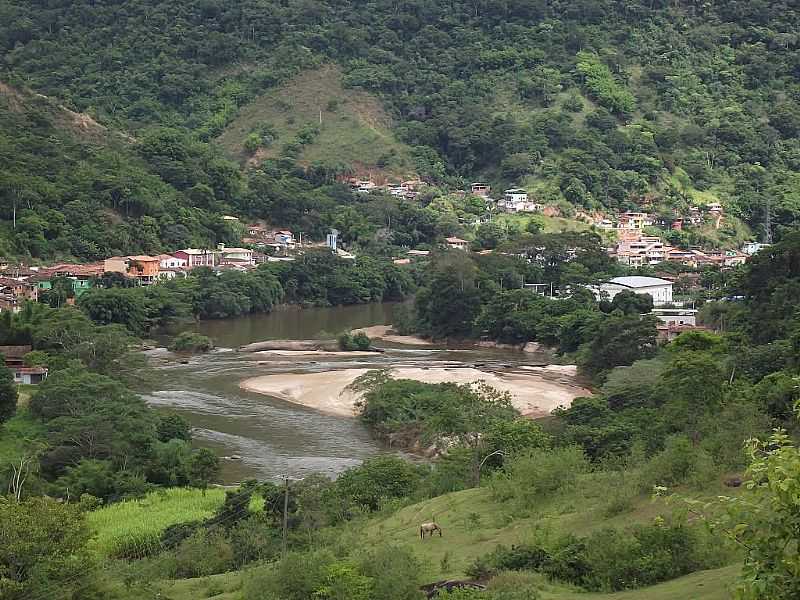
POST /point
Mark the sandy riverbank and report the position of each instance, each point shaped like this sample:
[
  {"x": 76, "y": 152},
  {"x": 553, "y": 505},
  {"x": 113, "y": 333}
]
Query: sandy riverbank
[
  {"x": 383, "y": 332},
  {"x": 532, "y": 394}
]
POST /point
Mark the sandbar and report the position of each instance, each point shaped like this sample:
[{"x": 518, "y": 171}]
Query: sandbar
[
  {"x": 383, "y": 332},
  {"x": 534, "y": 395}
]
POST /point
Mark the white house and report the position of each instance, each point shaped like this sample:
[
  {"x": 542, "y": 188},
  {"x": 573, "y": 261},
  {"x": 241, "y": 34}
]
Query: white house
[
  {"x": 752, "y": 248},
  {"x": 242, "y": 256},
  {"x": 516, "y": 200},
  {"x": 457, "y": 243},
  {"x": 659, "y": 289},
  {"x": 168, "y": 261}
]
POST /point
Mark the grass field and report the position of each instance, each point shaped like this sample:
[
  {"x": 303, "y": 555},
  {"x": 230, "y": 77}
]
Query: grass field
[
  {"x": 134, "y": 527},
  {"x": 355, "y": 129}
]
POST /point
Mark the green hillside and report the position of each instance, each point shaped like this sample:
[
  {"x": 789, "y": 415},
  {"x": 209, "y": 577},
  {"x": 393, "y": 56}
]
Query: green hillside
[
  {"x": 344, "y": 126},
  {"x": 594, "y": 104}
]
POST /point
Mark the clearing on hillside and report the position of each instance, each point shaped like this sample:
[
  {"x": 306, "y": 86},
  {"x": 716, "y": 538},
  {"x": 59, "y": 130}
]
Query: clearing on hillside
[{"x": 321, "y": 121}]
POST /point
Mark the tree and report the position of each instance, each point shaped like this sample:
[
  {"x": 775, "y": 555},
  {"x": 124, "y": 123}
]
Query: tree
[
  {"x": 631, "y": 303},
  {"x": 43, "y": 550},
  {"x": 203, "y": 467},
  {"x": 618, "y": 340},
  {"x": 8, "y": 393}
]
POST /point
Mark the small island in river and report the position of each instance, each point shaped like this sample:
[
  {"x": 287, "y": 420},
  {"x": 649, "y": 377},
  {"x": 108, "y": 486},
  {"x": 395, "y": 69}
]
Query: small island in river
[{"x": 533, "y": 394}]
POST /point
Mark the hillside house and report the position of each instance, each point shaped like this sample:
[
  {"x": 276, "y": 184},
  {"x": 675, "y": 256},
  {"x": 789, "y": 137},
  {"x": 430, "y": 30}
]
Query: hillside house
[
  {"x": 634, "y": 220},
  {"x": 480, "y": 189},
  {"x": 144, "y": 268},
  {"x": 168, "y": 261},
  {"x": 20, "y": 290},
  {"x": 236, "y": 256},
  {"x": 751, "y": 248},
  {"x": 457, "y": 243},
  {"x": 14, "y": 359},
  {"x": 195, "y": 257},
  {"x": 659, "y": 289},
  {"x": 637, "y": 249},
  {"x": 516, "y": 200}
]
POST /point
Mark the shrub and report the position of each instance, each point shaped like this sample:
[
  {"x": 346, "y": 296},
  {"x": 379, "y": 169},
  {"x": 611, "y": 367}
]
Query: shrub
[
  {"x": 189, "y": 341},
  {"x": 679, "y": 463},
  {"x": 252, "y": 539},
  {"x": 202, "y": 554},
  {"x": 350, "y": 342},
  {"x": 539, "y": 473}
]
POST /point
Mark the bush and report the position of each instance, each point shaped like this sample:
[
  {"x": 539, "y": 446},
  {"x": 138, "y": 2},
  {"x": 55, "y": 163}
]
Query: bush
[
  {"x": 189, "y": 341},
  {"x": 350, "y": 342},
  {"x": 679, "y": 463},
  {"x": 252, "y": 539},
  {"x": 204, "y": 553},
  {"x": 539, "y": 473}
]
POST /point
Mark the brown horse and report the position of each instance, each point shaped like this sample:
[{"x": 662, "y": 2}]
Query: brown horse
[{"x": 430, "y": 529}]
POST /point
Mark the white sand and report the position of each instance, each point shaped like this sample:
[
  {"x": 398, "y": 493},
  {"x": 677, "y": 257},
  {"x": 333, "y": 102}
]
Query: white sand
[
  {"x": 381, "y": 332},
  {"x": 265, "y": 353},
  {"x": 533, "y": 395}
]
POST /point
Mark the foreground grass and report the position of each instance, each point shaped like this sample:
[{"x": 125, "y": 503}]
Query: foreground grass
[{"x": 134, "y": 527}]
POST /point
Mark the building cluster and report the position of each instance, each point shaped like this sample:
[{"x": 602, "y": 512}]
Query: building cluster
[
  {"x": 636, "y": 249},
  {"x": 21, "y": 283},
  {"x": 406, "y": 189}
]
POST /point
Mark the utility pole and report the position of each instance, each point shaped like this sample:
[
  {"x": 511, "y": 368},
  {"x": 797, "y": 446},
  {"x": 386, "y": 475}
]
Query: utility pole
[{"x": 285, "y": 513}]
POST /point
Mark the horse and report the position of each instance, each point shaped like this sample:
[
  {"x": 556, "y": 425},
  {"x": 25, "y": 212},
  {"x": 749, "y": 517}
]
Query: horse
[{"x": 430, "y": 529}]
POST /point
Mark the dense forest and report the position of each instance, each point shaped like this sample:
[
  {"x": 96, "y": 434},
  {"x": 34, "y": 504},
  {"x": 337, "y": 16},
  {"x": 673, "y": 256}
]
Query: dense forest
[{"x": 592, "y": 104}]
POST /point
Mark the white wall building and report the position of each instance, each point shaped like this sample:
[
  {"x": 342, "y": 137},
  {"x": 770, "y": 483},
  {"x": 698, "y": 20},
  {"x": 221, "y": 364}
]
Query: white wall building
[{"x": 659, "y": 289}]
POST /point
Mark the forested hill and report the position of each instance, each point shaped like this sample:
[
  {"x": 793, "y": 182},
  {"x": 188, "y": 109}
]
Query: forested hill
[{"x": 593, "y": 103}]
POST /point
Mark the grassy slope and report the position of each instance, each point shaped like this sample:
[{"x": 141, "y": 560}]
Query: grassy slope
[
  {"x": 356, "y": 131},
  {"x": 474, "y": 523},
  {"x": 139, "y": 523}
]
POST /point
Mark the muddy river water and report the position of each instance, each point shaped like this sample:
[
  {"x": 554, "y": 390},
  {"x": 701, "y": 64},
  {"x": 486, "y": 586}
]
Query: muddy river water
[{"x": 273, "y": 437}]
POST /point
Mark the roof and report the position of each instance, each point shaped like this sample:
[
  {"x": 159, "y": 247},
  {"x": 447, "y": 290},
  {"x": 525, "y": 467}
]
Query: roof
[
  {"x": 638, "y": 281},
  {"x": 14, "y": 351},
  {"x": 455, "y": 240},
  {"x": 235, "y": 250},
  {"x": 142, "y": 258},
  {"x": 516, "y": 191},
  {"x": 193, "y": 251}
]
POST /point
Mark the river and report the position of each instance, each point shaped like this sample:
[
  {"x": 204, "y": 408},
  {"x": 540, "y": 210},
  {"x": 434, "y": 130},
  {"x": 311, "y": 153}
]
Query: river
[{"x": 274, "y": 437}]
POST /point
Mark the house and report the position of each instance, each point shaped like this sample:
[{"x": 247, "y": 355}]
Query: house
[
  {"x": 480, "y": 189},
  {"x": 284, "y": 237},
  {"x": 168, "y": 261},
  {"x": 604, "y": 224},
  {"x": 21, "y": 290},
  {"x": 144, "y": 268},
  {"x": 714, "y": 207},
  {"x": 196, "y": 257},
  {"x": 667, "y": 332},
  {"x": 635, "y": 249},
  {"x": 14, "y": 358},
  {"x": 364, "y": 186},
  {"x": 457, "y": 243},
  {"x": 236, "y": 256},
  {"x": 634, "y": 220},
  {"x": 418, "y": 253},
  {"x": 659, "y": 289},
  {"x": 516, "y": 200},
  {"x": 751, "y": 248},
  {"x": 676, "y": 316}
]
